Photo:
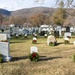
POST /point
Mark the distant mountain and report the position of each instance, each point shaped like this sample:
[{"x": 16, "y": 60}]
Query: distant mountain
[
  {"x": 5, "y": 12},
  {"x": 27, "y": 12}
]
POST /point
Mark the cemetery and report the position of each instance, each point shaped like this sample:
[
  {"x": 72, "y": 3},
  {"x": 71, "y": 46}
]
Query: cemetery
[
  {"x": 37, "y": 40},
  {"x": 21, "y": 56}
]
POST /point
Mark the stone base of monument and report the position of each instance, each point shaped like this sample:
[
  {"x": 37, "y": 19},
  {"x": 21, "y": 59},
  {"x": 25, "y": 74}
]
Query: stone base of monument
[{"x": 8, "y": 58}]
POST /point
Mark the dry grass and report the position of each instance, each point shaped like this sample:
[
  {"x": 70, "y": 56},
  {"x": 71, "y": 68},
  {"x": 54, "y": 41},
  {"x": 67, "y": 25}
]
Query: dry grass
[{"x": 53, "y": 60}]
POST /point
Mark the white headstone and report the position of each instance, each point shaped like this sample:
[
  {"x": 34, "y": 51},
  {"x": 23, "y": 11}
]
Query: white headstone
[
  {"x": 4, "y": 50},
  {"x": 4, "y": 46},
  {"x": 67, "y": 34},
  {"x": 45, "y": 35},
  {"x": 3, "y": 37},
  {"x": 51, "y": 38},
  {"x": 17, "y": 35},
  {"x": 34, "y": 38},
  {"x": 25, "y": 35},
  {"x": 58, "y": 28},
  {"x": 33, "y": 49},
  {"x": 74, "y": 42},
  {"x": 71, "y": 29}
]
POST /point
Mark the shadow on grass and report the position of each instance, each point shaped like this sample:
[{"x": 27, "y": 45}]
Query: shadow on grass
[
  {"x": 48, "y": 58},
  {"x": 39, "y": 43},
  {"x": 41, "y": 58},
  {"x": 16, "y": 42},
  {"x": 59, "y": 43},
  {"x": 19, "y": 58}
]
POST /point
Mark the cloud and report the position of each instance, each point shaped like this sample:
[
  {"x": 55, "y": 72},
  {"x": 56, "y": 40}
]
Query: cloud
[{"x": 20, "y": 4}]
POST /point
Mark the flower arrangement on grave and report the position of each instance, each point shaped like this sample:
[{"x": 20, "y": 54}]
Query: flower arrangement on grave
[
  {"x": 34, "y": 56},
  {"x": 4, "y": 40},
  {"x": 1, "y": 59},
  {"x": 68, "y": 37},
  {"x": 51, "y": 44},
  {"x": 56, "y": 36},
  {"x": 34, "y": 40},
  {"x": 66, "y": 41}
]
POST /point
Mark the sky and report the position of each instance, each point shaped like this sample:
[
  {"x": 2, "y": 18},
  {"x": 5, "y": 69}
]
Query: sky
[{"x": 12, "y": 5}]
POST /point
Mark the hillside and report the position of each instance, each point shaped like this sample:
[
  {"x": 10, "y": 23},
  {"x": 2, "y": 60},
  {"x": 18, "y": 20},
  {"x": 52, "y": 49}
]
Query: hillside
[
  {"x": 5, "y": 12},
  {"x": 27, "y": 12}
]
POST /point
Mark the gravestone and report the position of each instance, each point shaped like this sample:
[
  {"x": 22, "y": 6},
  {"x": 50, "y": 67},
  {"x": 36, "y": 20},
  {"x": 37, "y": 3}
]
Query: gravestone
[
  {"x": 74, "y": 42},
  {"x": 56, "y": 34},
  {"x": 67, "y": 29},
  {"x": 59, "y": 29},
  {"x": 4, "y": 47},
  {"x": 45, "y": 35},
  {"x": 50, "y": 39},
  {"x": 34, "y": 38},
  {"x": 17, "y": 35},
  {"x": 67, "y": 35},
  {"x": 71, "y": 29},
  {"x": 15, "y": 30},
  {"x": 42, "y": 33},
  {"x": 66, "y": 40},
  {"x": 3, "y": 36},
  {"x": 25, "y": 35},
  {"x": 33, "y": 49}
]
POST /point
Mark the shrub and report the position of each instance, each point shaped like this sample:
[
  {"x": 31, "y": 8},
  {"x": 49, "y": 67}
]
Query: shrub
[
  {"x": 66, "y": 41},
  {"x": 34, "y": 56},
  {"x": 52, "y": 43}
]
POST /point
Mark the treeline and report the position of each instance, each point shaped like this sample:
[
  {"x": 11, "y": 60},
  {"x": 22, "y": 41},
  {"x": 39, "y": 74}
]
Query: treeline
[{"x": 61, "y": 16}]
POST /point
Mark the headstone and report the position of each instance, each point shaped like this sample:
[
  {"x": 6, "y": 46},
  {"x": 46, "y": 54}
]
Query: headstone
[
  {"x": 42, "y": 33},
  {"x": 56, "y": 34},
  {"x": 15, "y": 30},
  {"x": 66, "y": 40},
  {"x": 67, "y": 35},
  {"x": 74, "y": 42},
  {"x": 58, "y": 28},
  {"x": 3, "y": 36},
  {"x": 17, "y": 35},
  {"x": 34, "y": 34},
  {"x": 71, "y": 29},
  {"x": 34, "y": 40},
  {"x": 63, "y": 29},
  {"x": 25, "y": 35},
  {"x": 51, "y": 38},
  {"x": 67, "y": 29},
  {"x": 45, "y": 35},
  {"x": 4, "y": 47},
  {"x": 33, "y": 49}
]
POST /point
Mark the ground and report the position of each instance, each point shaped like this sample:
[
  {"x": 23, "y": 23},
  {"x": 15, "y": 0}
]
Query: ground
[{"x": 54, "y": 60}]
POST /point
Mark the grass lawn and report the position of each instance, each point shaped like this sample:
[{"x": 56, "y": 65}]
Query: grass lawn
[{"x": 54, "y": 60}]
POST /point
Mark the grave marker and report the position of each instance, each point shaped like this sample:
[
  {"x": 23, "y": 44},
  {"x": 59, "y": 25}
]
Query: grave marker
[
  {"x": 67, "y": 35},
  {"x": 33, "y": 49},
  {"x": 51, "y": 39},
  {"x": 4, "y": 47}
]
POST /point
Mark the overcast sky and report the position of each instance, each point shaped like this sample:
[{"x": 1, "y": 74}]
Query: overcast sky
[{"x": 20, "y": 4}]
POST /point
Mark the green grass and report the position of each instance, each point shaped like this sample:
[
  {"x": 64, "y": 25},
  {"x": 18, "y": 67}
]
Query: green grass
[{"x": 55, "y": 60}]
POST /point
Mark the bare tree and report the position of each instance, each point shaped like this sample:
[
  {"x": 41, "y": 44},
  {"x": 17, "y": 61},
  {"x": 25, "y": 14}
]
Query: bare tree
[{"x": 66, "y": 2}]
